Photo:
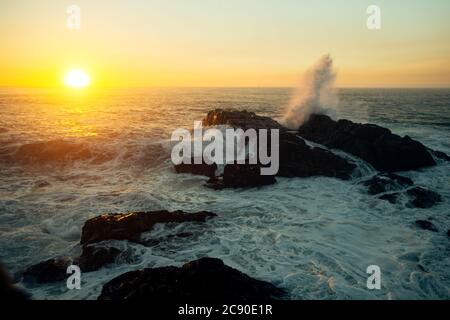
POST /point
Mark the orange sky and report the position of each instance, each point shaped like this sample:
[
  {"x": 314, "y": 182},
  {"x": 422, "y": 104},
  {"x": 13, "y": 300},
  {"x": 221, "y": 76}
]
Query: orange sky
[{"x": 224, "y": 43}]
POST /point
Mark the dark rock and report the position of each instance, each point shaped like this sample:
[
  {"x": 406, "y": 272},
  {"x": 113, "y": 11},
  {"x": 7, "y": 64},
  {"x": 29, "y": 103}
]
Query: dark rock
[
  {"x": 297, "y": 159},
  {"x": 201, "y": 169},
  {"x": 130, "y": 226},
  {"x": 241, "y": 176},
  {"x": 52, "y": 270},
  {"x": 390, "y": 197},
  {"x": 384, "y": 182},
  {"x": 423, "y": 198},
  {"x": 240, "y": 119},
  {"x": 206, "y": 279},
  {"x": 440, "y": 155},
  {"x": 8, "y": 291},
  {"x": 426, "y": 225},
  {"x": 378, "y": 146},
  {"x": 448, "y": 233},
  {"x": 95, "y": 257}
]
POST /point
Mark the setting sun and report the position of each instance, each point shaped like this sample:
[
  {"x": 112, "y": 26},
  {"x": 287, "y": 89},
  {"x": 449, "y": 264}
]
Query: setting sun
[{"x": 77, "y": 78}]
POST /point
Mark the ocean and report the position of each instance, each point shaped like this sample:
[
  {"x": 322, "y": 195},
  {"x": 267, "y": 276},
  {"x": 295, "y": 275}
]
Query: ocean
[{"x": 67, "y": 157}]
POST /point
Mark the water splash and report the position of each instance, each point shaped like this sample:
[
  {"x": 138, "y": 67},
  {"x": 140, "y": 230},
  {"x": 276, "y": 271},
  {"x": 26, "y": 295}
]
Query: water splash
[{"x": 315, "y": 94}]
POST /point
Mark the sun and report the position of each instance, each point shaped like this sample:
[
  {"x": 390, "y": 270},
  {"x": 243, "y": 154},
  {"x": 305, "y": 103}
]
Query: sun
[{"x": 77, "y": 78}]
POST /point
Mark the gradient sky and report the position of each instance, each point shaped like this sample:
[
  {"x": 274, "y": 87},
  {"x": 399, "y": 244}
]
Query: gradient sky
[{"x": 225, "y": 42}]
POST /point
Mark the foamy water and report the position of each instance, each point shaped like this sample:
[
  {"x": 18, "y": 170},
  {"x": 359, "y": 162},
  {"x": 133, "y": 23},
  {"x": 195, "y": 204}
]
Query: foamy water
[{"x": 313, "y": 237}]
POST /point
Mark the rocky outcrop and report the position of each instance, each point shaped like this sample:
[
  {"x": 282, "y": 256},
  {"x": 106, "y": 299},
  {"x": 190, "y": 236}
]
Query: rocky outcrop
[
  {"x": 378, "y": 146},
  {"x": 423, "y": 198},
  {"x": 240, "y": 119},
  {"x": 391, "y": 186},
  {"x": 206, "y": 279},
  {"x": 52, "y": 270},
  {"x": 297, "y": 159},
  {"x": 426, "y": 225},
  {"x": 95, "y": 257},
  {"x": 130, "y": 226}
]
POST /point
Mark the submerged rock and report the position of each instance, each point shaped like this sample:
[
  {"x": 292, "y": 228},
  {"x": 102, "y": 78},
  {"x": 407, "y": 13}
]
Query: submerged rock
[
  {"x": 423, "y": 198},
  {"x": 297, "y": 159},
  {"x": 51, "y": 270},
  {"x": 426, "y": 225},
  {"x": 129, "y": 226},
  {"x": 387, "y": 181},
  {"x": 206, "y": 279},
  {"x": 378, "y": 146}
]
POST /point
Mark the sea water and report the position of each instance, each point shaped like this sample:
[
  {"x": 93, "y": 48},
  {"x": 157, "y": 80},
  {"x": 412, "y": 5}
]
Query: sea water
[{"x": 68, "y": 157}]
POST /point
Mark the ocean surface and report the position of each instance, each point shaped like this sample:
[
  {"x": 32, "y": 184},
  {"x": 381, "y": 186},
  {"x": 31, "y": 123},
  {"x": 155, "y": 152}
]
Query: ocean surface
[{"x": 68, "y": 157}]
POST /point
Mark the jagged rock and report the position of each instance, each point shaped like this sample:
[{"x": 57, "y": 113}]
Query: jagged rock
[
  {"x": 52, "y": 270},
  {"x": 378, "y": 146},
  {"x": 240, "y": 119},
  {"x": 201, "y": 169},
  {"x": 206, "y": 279},
  {"x": 95, "y": 257},
  {"x": 241, "y": 176},
  {"x": 387, "y": 181},
  {"x": 129, "y": 226},
  {"x": 297, "y": 159},
  {"x": 423, "y": 198},
  {"x": 8, "y": 291},
  {"x": 426, "y": 225}
]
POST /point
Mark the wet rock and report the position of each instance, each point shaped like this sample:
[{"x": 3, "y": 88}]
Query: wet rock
[
  {"x": 390, "y": 197},
  {"x": 206, "y": 279},
  {"x": 378, "y": 146},
  {"x": 297, "y": 159},
  {"x": 387, "y": 181},
  {"x": 129, "y": 226},
  {"x": 240, "y": 119},
  {"x": 8, "y": 291},
  {"x": 423, "y": 198},
  {"x": 201, "y": 169},
  {"x": 440, "y": 155},
  {"x": 426, "y": 225},
  {"x": 241, "y": 176},
  {"x": 95, "y": 257},
  {"x": 52, "y": 270}
]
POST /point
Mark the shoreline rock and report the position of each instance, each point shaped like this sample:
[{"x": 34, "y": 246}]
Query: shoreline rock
[
  {"x": 130, "y": 226},
  {"x": 376, "y": 145},
  {"x": 206, "y": 279},
  {"x": 297, "y": 159}
]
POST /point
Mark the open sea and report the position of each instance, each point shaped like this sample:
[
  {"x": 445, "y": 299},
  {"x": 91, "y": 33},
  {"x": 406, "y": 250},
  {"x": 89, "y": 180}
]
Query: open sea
[{"x": 68, "y": 157}]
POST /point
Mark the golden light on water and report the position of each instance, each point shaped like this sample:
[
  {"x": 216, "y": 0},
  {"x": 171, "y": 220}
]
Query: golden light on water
[{"x": 77, "y": 78}]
